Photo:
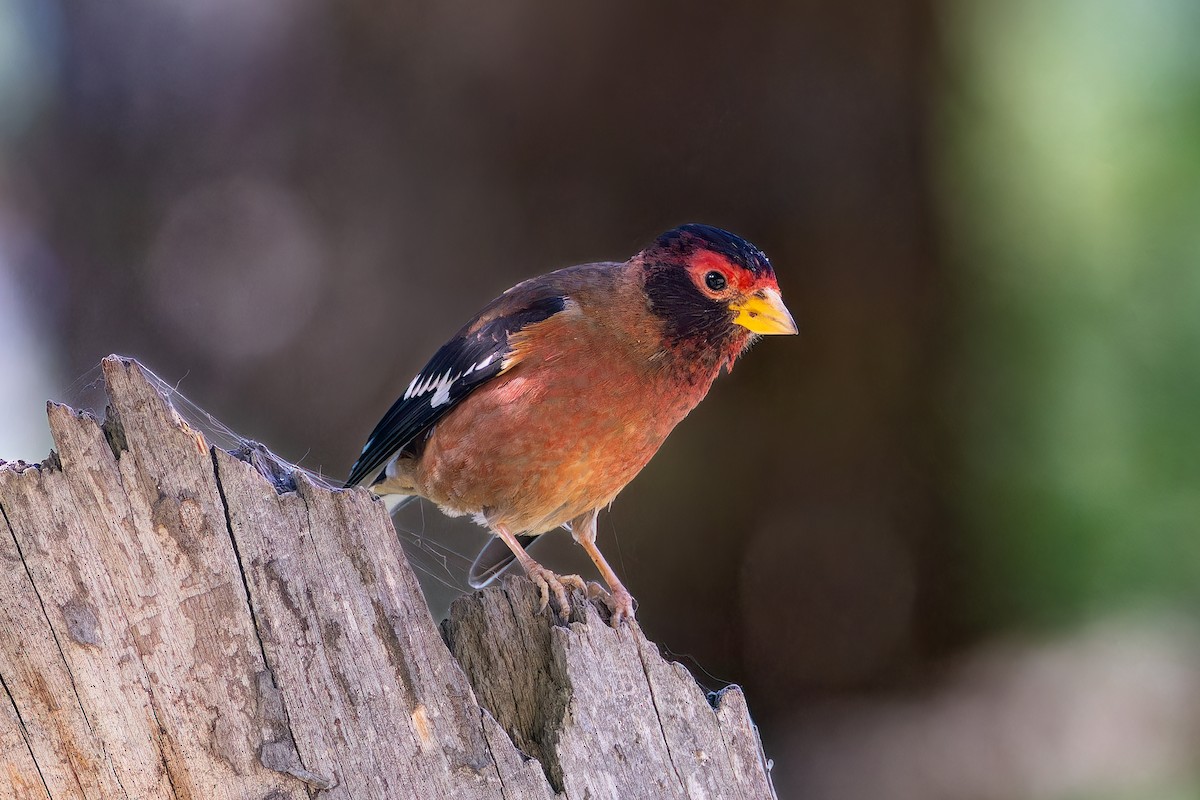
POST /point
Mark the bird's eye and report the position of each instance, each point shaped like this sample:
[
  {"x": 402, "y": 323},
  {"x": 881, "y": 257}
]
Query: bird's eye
[{"x": 715, "y": 281}]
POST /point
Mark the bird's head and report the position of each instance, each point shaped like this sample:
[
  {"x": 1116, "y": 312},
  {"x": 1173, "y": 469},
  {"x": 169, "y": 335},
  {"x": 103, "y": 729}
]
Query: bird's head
[{"x": 713, "y": 289}]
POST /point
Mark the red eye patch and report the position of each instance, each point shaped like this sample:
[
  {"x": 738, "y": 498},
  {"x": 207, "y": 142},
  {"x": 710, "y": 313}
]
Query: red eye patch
[{"x": 706, "y": 261}]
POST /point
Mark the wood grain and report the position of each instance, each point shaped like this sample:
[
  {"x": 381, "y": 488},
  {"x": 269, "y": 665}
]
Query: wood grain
[{"x": 174, "y": 624}]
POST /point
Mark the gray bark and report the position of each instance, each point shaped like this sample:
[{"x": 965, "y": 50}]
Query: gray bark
[{"x": 175, "y": 624}]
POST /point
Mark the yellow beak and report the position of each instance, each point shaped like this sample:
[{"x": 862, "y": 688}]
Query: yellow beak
[{"x": 764, "y": 312}]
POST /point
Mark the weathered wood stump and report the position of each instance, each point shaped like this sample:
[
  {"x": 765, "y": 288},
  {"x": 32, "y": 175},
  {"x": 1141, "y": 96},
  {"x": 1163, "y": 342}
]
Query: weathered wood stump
[{"x": 174, "y": 624}]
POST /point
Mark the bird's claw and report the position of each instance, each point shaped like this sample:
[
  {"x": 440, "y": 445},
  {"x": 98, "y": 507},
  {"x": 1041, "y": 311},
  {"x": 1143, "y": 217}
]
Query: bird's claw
[
  {"x": 620, "y": 603},
  {"x": 551, "y": 585}
]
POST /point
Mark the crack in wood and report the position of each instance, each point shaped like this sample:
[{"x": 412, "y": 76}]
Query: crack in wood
[
  {"x": 658, "y": 715},
  {"x": 24, "y": 734},
  {"x": 280, "y": 753},
  {"x": 49, "y": 624},
  {"x": 166, "y": 751},
  {"x": 327, "y": 648}
]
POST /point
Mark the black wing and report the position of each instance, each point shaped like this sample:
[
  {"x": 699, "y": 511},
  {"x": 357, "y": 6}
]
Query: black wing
[{"x": 475, "y": 355}]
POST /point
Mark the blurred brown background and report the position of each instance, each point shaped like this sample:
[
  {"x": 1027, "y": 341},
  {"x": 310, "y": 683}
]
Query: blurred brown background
[{"x": 290, "y": 204}]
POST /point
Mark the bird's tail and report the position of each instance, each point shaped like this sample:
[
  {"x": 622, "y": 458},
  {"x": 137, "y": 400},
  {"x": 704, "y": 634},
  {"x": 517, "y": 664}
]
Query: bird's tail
[{"x": 493, "y": 559}]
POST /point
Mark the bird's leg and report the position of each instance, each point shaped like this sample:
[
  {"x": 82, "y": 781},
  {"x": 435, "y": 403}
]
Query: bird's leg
[
  {"x": 549, "y": 584},
  {"x": 619, "y": 601}
]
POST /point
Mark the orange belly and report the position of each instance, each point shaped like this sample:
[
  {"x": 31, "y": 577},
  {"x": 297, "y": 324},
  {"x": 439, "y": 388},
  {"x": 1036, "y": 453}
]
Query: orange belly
[{"x": 553, "y": 438}]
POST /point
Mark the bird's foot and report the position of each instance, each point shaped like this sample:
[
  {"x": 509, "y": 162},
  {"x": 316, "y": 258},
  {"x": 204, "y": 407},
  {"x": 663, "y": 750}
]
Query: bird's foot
[
  {"x": 553, "y": 586},
  {"x": 620, "y": 603}
]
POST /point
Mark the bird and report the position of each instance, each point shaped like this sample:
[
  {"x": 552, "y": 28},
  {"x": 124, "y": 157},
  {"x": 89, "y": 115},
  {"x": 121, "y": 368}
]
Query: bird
[{"x": 546, "y": 404}]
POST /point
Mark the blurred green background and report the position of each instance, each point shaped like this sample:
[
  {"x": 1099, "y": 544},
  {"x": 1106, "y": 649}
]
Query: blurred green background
[
  {"x": 948, "y": 538},
  {"x": 1071, "y": 171}
]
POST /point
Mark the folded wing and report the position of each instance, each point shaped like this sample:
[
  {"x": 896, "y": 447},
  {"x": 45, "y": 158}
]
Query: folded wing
[{"x": 476, "y": 354}]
